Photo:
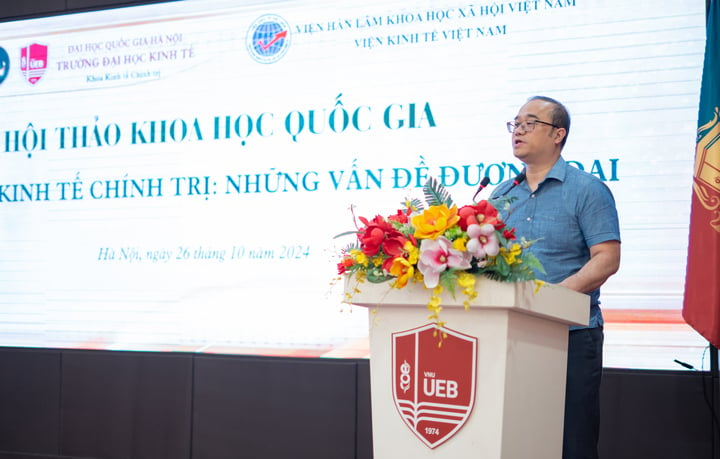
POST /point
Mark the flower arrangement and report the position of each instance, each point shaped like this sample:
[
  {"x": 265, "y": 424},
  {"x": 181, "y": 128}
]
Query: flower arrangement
[{"x": 441, "y": 246}]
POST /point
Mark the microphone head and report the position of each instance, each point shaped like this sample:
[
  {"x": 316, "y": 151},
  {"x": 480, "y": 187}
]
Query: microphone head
[
  {"x": 483, "y": 183},
  {"x": 516, "y": 181}
]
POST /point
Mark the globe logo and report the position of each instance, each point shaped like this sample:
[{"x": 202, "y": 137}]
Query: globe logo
[
  {"x": 268, "y": 39},
  {"x": 4, "y": 64}
]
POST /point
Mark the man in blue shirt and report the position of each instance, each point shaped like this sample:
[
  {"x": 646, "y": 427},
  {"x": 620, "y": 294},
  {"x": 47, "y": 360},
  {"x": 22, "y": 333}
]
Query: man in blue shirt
[{"x": 573, "y": 215}]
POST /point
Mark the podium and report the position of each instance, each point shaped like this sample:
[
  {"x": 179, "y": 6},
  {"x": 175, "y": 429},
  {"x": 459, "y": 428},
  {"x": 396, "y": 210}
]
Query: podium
[{"x": 430, "y": 401}]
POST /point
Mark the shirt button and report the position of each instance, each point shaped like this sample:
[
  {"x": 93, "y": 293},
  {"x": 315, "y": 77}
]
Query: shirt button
[
  {"x": 532, "y": 195},
  {"x": 528, "y": 219}
]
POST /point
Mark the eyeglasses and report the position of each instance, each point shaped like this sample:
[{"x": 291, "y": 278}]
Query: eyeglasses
[{"x": 526, "y": 126}]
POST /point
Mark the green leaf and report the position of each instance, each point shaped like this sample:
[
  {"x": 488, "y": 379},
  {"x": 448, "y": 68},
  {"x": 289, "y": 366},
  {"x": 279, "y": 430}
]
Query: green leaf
[
  {"x": 377, "y": 276},
  {"x": 492, "y": 275},
  {"x": 501, "y": 266},
  {"x": 416, "y": 204},
  {"x": 502, "y": 204},
  {"x": 448, "y": 279},
  {"x": 352, "y": 246},
  {"x": 454, "y": 233},
  {"x": 436, "y": 194},
  {"x": 531, "y": 261},
  {"x": 346, "y": 233}
]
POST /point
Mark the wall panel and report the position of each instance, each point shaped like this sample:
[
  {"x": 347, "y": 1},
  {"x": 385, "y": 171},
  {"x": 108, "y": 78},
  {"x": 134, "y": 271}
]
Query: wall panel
[
  {"x": 265, "y": 407},
  {"x": 126, "y": 405},
  {"x": 29, "y": 400}
]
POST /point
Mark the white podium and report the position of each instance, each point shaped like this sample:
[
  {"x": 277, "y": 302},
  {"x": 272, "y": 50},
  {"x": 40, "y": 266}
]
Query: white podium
[{"x": 512, "y": 407}]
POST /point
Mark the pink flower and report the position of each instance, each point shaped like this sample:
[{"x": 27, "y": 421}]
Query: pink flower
[
  {"x": 483, "y": 241},
  {"x": 437, "y": 255}
]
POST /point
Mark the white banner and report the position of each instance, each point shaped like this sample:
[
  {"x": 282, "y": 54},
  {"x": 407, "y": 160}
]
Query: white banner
[{"x": 172, "y": 176}]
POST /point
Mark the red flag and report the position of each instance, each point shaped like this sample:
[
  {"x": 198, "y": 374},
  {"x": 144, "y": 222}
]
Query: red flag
[{"x": 701, "y": 306}]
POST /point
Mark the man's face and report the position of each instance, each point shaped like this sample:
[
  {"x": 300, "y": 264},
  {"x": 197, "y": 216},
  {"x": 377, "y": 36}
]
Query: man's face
[{"x": 541, "y": 143}]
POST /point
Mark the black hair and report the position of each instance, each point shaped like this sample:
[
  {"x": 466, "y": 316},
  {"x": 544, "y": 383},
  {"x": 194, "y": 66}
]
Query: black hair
[{"x": 560, "y": 115}]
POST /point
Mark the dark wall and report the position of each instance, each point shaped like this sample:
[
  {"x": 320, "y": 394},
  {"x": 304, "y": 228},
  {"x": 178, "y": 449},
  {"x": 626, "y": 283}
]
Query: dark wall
[
  {"x": 123, "y": 405},
  {"x": 657, "y": 414},
  {"x": 131, "y": 405}
]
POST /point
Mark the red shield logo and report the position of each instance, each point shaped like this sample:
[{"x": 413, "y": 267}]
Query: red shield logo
[
  {"x": 434, "y": 386},
  {"x": 33, "y": 62}
]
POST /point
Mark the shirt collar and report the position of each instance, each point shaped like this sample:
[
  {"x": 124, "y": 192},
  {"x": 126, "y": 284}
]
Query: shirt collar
[{"x": 557, "y": 172}]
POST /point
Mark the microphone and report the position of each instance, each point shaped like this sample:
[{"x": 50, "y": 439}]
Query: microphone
[
  {"x": 483, "y": 183},
  {"x": 516, "y": 181}
]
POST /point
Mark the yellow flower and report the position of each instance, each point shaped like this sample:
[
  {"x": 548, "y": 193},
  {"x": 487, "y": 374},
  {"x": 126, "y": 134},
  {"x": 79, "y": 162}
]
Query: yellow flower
[
  {"x": 408, "y": 204},
  {"x": 402, "y": 270},
  {"x": 412, "y": 251},
  {"x": 434, "y": 221},
  {"x": 467, "y": 282},
  {"x": 359, "y": 257},
  {"x": 511, "y": 256},
  {"x": 435, "y": 309},
  {"x": 434, "y": 304},
  {"x": 459, "y": 244}
]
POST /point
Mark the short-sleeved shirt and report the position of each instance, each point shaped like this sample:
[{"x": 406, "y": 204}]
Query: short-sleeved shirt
[{"x": 569, "y": 212}]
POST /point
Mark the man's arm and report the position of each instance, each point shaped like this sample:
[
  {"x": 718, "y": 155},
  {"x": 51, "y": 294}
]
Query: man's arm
[{"x": 604, "y": 262}]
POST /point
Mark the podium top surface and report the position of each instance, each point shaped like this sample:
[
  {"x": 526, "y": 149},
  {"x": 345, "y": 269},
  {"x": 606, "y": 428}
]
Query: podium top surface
[{"x": 550, "y": 301}]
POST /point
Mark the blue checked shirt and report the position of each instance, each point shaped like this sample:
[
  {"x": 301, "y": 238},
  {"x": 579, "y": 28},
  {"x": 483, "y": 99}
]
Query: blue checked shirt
[{"x": 569, "y": 212}]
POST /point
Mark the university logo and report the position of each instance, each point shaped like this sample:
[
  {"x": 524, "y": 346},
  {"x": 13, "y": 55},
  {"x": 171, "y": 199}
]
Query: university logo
[
  {"x": 33, "y": 62},
  {"x": 434, "y": 386},
  {"x": 4, "y": 65},
  {"x": 707, "y": 167},
  {"x": 268, "y": 39}
]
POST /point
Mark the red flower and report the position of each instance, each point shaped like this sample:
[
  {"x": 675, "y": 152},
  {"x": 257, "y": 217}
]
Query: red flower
[
  {"x": 380, "y": 234},
  {"x": 394, "y": 247},
  {"x": 344, "y": 264},
  {"x": 401, "y": 216},
  {"x": 509, "y": 234},
  {"x": 387, "y": 263},
  {"x": 394, "y": 243},
  {"x": 481, "y": 213},
  {"x": 372, "y": 236}
]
